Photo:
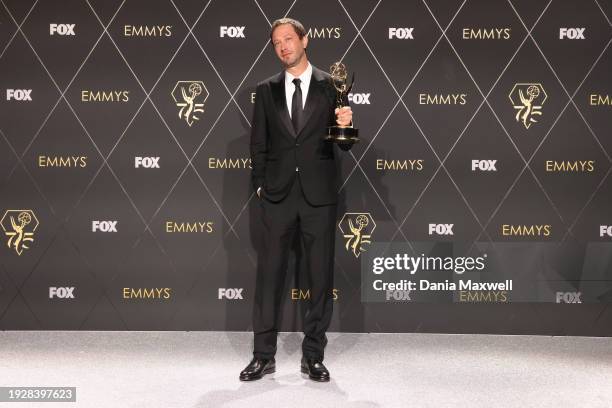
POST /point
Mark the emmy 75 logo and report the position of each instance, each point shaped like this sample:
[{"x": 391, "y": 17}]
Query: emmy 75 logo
[
  {"x": 527, "y": 99},
  {"x": 357, "y": 229},
  {"x": 190, "y": 96},
  {"x": 19, "y": 226}
]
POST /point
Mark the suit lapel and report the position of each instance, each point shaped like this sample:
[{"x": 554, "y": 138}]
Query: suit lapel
[
  {"x": 312, "y": 99},
  {"x": 280, "y": 101}
]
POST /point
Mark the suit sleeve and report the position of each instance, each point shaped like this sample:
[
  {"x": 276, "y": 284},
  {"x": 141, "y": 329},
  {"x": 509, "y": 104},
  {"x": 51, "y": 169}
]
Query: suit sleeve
[{"x": 259, "y": 139}]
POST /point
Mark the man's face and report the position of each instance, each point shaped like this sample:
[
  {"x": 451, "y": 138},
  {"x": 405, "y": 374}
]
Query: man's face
[{"x": 288, "y": 46}]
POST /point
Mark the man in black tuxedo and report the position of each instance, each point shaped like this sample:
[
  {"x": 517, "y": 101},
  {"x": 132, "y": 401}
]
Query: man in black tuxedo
[{"x": 294, "y": 175}]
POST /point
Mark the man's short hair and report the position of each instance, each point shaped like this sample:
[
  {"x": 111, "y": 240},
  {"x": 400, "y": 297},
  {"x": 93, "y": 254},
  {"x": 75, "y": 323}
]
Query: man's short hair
[{"x": 297, "y": 26}]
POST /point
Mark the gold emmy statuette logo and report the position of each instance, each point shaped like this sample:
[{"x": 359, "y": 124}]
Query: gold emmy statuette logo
[
  {"x": 22, "y": 225},
  {"x": 357, "y": 229},
  {"x": 527, "y": 99},
  {"x": 190, "y": 97}
]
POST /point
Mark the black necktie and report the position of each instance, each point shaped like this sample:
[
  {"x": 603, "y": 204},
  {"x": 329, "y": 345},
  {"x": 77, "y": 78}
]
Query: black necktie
[{"x": 296, "y": 106}]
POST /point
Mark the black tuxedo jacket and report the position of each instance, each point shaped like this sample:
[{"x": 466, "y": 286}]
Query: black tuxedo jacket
[{"x": 277, "y": 149}]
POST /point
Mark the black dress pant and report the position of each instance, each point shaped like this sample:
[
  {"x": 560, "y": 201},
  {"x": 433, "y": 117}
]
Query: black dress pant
[{"x": 315, "y": 225}]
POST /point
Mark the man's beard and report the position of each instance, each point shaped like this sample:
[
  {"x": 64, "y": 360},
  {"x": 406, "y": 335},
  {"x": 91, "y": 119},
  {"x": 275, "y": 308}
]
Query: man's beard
[{"x": 295, "y": 62}]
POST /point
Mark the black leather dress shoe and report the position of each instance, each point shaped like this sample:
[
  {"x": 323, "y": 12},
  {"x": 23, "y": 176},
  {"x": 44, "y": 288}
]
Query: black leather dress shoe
[
  {"x": 257, "y": 368},
  {"x": 315, "y": 369}
]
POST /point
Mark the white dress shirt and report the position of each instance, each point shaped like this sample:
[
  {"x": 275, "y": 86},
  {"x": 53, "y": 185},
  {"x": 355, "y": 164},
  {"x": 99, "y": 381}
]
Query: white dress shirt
[{"x": 304, "y": 84}]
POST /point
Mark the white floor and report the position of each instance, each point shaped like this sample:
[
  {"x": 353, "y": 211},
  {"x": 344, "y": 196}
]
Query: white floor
[{"x": 200, "y": 369}]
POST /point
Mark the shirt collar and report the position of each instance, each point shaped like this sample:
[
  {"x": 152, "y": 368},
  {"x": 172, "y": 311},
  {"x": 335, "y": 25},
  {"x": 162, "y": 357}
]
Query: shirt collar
[{"x": 304, "y": 78}]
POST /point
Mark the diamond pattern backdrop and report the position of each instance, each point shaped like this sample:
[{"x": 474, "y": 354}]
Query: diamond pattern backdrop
[{"x": 125, "y": 170}]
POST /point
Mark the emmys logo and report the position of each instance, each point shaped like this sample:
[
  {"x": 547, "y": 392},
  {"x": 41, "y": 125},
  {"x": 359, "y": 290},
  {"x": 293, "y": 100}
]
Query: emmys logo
[
  {"x": 301, "y": 294},
  {"x": 147, "y": 293},
  {"x": 324, "y": 32},
  {"x": 540, "y": 230},
  {"x": 600, "y": 100},
  {"x": 576, "y": 166},
  {"x": 229, "y": 163},
  {"x": 357, "y": 229},
  {"x": 409, "y": 164},
  {"x": 442, "y": 99},
  {"x": 105, "y": 96},
  {"x": 147, "y": 31},
  {"x": 469, "y": 33},
  {"x": 479, "y": 296},
  {"x": 179, "y": 227},
  {"x": 190, "y": 97},
  {"x": 61, "y": 161},
  {"x": 531, "y": 97},
  {"x": 23, "y": 223}
]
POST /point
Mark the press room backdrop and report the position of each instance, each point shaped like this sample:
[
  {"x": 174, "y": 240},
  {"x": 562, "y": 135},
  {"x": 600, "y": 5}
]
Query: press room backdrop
[{"x": 125, "y": 173}]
